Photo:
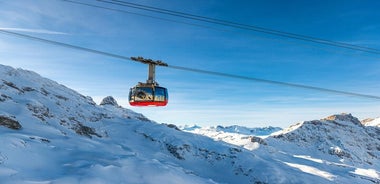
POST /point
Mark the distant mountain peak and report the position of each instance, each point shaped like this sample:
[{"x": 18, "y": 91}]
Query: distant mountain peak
[
  {"x": 259, "y": 131},
  {"x": 109, "y": 100},
  {"x": 366, "y": 121},
  {"x": 342, "y": 135},
  {"x": 374, "y": 122},
  {"x": 345, "y": 118}
]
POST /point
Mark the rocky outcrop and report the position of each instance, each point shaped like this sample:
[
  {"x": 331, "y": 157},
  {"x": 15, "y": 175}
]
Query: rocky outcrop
[
  {"x": 109, "y": 100},
  {"x": 9, "y": 123}
]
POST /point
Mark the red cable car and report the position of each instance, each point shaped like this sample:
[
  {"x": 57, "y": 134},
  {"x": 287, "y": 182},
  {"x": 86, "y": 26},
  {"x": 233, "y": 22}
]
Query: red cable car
[{"x": 149, "y": 93}]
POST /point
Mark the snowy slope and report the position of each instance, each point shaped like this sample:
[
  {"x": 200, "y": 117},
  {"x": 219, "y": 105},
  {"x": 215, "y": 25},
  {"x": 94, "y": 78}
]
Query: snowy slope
[{"x": 52, "y": 134}]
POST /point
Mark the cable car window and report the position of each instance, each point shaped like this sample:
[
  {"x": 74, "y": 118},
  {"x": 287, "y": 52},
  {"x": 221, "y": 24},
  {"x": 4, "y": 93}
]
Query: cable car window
[
  {"x": 143, "y": 94},
  {"x": 160, "y": 94}
]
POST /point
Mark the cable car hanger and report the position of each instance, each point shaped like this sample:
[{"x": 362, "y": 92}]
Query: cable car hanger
[{"x": 149, "y": 93}]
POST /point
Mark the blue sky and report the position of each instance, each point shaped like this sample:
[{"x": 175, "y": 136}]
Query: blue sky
[{"x": 199, "y": 98}]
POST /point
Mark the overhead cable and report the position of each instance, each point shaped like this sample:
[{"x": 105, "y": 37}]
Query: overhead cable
[
  {"x": 191, "y": 69},
  {"x": 243, "y": 26},
  {"x": 273, "y": 82},
  {"x": 64, "y": 44},
  {"x": 288, "y": 41},
  {"x": 139, "y": 14}
]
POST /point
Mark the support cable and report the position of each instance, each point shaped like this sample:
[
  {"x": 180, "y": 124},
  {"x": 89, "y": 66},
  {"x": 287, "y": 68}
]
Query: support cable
[
  {"x": 191, "y": 24},
  {"x": 243, "y": 26}
]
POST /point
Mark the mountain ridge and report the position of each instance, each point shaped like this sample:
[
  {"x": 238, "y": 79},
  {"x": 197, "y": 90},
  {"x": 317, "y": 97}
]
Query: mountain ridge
[{"x": 341, "y": 135}]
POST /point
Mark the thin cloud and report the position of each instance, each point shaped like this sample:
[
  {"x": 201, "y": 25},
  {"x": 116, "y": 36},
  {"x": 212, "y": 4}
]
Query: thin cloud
[{"x": 42, "y": 31}]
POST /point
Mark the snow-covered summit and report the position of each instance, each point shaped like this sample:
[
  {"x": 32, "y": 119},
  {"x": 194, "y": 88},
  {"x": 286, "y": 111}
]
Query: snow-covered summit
[
  {"x": 340, "y": 135},
  {"x": 263, "y": 131},
  {"x": 52, "y": 134},
  {"x": 236, "y": 135},
  {"x": 236, "y": 129},
  {"x": 371, "y": 122},
  {"x": 189, "y": 127}
]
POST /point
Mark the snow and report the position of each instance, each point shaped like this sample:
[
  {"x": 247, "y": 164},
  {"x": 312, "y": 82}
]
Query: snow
[
  {"x": 264, "y": 131},
  {"x": 313, "y": 171},
  {"x": 367, "y": 172},
  {"x": 66, "y": 138},
  {"x": 309, "y": 158},
  {"x": 232, "y": 138},
  {"x": 373, "y": 122},
  {"x": 236, "y": 135}
]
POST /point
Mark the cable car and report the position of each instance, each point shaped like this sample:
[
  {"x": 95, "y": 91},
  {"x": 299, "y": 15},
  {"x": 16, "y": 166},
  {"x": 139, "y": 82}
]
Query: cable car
[{"x": 149, "y": 93}]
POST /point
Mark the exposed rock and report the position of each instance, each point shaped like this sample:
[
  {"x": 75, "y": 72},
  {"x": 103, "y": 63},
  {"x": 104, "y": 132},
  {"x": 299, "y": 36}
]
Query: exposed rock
[
  {"x": 44, "y": 92},
  {"x": 85, "y": 130},
  {"x": 176, "y": 151},
  {"x": 90, "y": 100},
  {"x": 143, "y": 118},
  {"x": 45, "y": 140},
  {"x": 109, "y": 100},
  {"x": 61, "y": 97},
  {"x": 98, "y": 116},
  {"x": 343, "y": 117},
  {"x": 365, "y": 121},
  {"x": 9, "y": 123},
  {"x": 12, "y": 85},
  {"x": 40, "y": 111},
  {"x": 339, "y": 152},
  {"x": 173, "y": 126},
  {"x": 4, "y": 97},
  {"x": 28, "y": 89},
  {"x": 258, "y": 140}
]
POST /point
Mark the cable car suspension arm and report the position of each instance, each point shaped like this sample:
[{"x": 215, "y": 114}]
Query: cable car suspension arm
[{"x": 151, "y": 68}]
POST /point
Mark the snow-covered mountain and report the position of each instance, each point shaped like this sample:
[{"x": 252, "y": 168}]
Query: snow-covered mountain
[
  {"x": 340, "y": 135},
  {"x": 236, "y": 135},
  {"x": 371, "y": 122},
  {"x": 339, "y": 140},
  {"x": 263, "y": 131},
  {"x": 52, "y": 134}
]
